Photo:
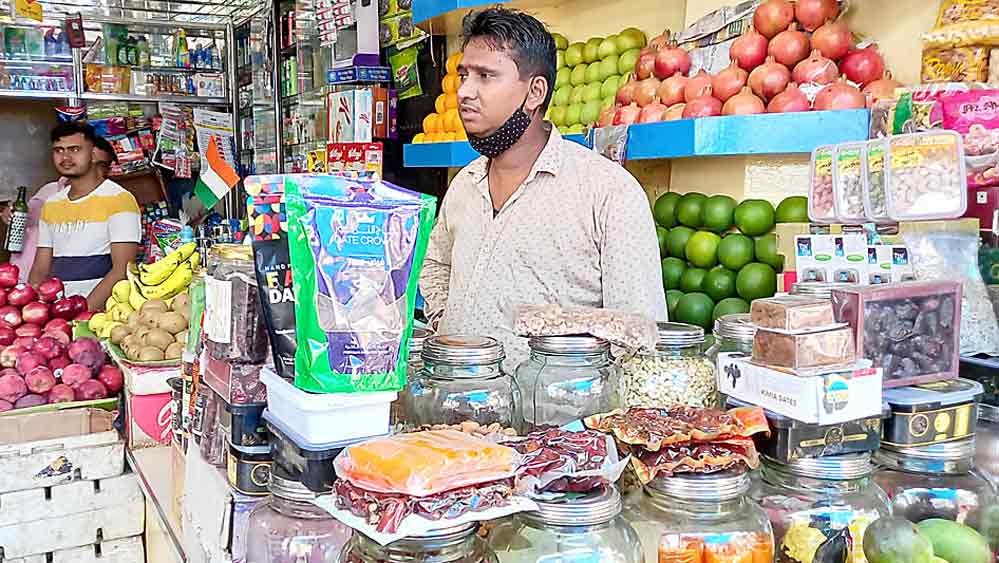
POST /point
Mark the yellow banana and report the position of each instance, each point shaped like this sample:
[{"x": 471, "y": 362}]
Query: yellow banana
[
  {"x": 176, "y": 283},
  {"x": 195, "y": 261},
  {"x": 157, "y": 272},
  {"x": 135, "y": 297}
]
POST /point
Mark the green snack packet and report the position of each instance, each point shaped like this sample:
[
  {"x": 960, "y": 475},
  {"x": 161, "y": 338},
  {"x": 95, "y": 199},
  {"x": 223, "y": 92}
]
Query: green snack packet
[
  {"x": 406, "y": 74},
  {"x": 357, "y": 248}
]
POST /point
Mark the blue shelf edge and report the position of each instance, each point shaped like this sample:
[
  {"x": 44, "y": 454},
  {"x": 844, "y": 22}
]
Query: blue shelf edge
[
  {"x": 440, "y": 155},
  {"x": 423, "y": 10}
]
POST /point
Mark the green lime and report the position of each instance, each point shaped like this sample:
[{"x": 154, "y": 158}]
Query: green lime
[
  {"x": 718, "y": 212},
  {"x": 695, "y": 309},
  {"x": 661, "y": 235},
  {"x": 702, "y": 249},
  {"x": 664, "y": 209},
  {"x": 672, "y": 298},
  {"x": 692, "y": 279},
  {"x": 677, "y": 239},
  {"x": 689, "y": 208},
  {"x": 756, "y": 281},
  {"x": 735, "y": 251},
  {"x": 673, "y": 269},
  {"x": 793, "y": 209},
  {"x": 766, "y": 252},
  {"x": 754, "y": 217},
  {"x": 729, "y": 306},
  {"x": 719, "y": 283}
]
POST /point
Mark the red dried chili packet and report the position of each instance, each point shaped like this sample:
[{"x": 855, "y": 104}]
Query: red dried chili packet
[{"x": 561, "y": 461}]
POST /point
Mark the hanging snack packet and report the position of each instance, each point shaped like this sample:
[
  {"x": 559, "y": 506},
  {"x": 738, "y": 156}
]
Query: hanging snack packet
[{"x": 357, "y": 248}]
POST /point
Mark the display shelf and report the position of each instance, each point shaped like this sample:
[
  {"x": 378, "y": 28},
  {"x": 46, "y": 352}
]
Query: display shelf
[
  {"x": 39, "y": 61},
  {"x": 37, "y": 95},
  {"x": 437, "y": 155},
  {"x": 171, "y": 69},
  {"x": 154, "y": 467},
  {"x": 200, "y": 100}
]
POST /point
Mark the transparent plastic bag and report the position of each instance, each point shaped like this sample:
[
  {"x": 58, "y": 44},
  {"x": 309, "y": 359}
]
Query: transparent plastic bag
[
  {"x": 629, "y": 330},
  {"x": 954, "y": 256}
]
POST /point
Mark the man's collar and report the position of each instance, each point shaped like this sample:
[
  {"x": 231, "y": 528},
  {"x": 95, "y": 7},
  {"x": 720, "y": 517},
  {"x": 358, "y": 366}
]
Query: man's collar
[{"x": 550, "y": 159}]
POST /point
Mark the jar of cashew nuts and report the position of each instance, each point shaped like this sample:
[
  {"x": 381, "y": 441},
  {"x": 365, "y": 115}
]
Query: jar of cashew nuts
[{"x": 677, "y": 372}]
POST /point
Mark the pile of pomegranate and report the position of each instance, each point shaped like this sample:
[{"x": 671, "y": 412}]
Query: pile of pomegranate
[{"x": 791, "y": 48}]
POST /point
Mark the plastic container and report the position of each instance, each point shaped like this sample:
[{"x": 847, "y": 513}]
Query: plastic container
[
  {"x": 925, "y": 177},
  {"x": 821, "y": 207},
  {"x": 236, "y": 383},
  {"x": 849, "y": 178},
  {"x": 234, "y": 321},
  {"x": 792, "y": 313},
  {"x": 910, "y": 330},
  {"x": 213, "y": 438},
  {"x": 326, "y": 418},
  {"x": 249, "y": 469},
  {"x": 817, "y": 289},
  {"x": 875, "y": 202},
  {"x": 931, "y": 413},
  {"x": 797, "y": 351},
  {"x": 309, "y": 463},
  {"x": 790, "y": 440},
  {"x": 242, "y": 425}
]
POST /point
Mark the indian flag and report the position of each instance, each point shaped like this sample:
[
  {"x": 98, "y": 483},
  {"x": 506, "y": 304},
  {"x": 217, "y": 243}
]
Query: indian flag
[{"x": 217, "y": 176}]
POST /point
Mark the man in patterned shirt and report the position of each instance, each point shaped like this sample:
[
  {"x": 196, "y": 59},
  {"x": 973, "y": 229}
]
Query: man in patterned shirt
[{"x": 537, "y": 219}]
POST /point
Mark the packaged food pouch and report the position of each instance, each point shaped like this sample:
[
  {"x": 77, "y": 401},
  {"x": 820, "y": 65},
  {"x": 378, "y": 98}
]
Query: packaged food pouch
[
  {"x": 356, "y": 248},
  {"x": 975, "y": 115},
  {"x": 964, "y": 22},
  {"x": 272, "y": 264},
  {"x": 959, "y": 64}
]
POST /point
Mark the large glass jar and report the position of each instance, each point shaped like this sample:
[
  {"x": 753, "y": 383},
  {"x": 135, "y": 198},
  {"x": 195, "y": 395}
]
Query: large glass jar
[
  {"x": 459, "y": 544},
  {"x": 462, "y": 380},
  {"x": 818, "y": 289},
  {"x": 677, "y": 372},
  {"x": 566, "y": 378},
  {"x": 987, "y": 442},
  {"x": 700, "y": 518},
  {"x": 233, "y": 322},
  {"x": 414, "y": 363},
  {"x": 815, "y": 503},
  {"x": 938, "y": 481},
  {"x": 733, "y": 333},
  {"x": 589, "y": 528},
  {"x": 288, "y": 528}
]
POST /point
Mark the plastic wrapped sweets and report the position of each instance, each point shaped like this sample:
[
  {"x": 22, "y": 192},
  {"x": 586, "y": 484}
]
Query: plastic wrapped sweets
[{"x": 356, "y": 251}]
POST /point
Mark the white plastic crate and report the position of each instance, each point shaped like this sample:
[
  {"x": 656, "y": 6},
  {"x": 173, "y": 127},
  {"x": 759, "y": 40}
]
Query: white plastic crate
[{"x": 128, "y": 550}]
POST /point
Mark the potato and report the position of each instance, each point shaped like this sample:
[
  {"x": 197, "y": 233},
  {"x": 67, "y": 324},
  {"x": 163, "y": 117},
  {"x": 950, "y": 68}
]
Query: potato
[
  {"x": 181, "y": 337},
  {"x": 133, "y": 319},
  {"x": 148, "y": 319},
  {"x": 150, "y": 354},
  {"x": 181, "y": 304},
  {"x": 154, "y": 305},
  {"x": 157, "y": 338},
  {"x": 174, "y": 351},
  {"x": 172, "y": 322},
  {"x": 141, "y": 332},
  {"x": 130, "y": 341},
  {"x": 134, "y": 353},
  {"x": 119, "y": 333}
]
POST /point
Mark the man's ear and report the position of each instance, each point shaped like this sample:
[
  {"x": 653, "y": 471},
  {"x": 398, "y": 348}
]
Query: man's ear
[{"x": 536, "y": 94}]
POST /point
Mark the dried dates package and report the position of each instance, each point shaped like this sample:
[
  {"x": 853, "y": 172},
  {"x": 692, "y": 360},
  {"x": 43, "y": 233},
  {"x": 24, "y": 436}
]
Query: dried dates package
[
  {"x": 561, "y": 461},
  {"x": 357, "y": 247},
  {"x": 925, "y": 176}
]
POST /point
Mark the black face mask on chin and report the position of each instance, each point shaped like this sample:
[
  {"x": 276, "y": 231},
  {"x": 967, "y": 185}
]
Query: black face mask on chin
[{"x": 506, "y": 136}]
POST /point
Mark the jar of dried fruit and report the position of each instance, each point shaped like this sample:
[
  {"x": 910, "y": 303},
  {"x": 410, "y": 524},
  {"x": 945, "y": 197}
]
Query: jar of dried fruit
[
  {"x": 462, "y": 380},
  {"x": 457, "y": 544},
  {"x": 414, "y": 364},
  {"x": 566, "y": 378},
  {"x": 233, "y": 321},
  {"x": 678, "y": 372},
  {"x": 679, "y": 518}
]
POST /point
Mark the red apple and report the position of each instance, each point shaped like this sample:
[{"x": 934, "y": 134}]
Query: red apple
[
  {"x": 59, "y": 325},
  {"x": 9, "y": 275},
  {"x": 63, "y": 309},
  {"x": 35, "y": 313},
  {"x": 10, "y": 316},
  {"x": 50, "y": 290},
  {"x": 79, "y": 304},
  {"x": 21, "y": 295}
]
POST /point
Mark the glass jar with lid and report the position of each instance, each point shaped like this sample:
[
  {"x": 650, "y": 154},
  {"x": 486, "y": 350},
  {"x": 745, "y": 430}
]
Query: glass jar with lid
[
  {"x": 937, "y": 481},
  {"x": 566, "y": 378},
  {"x": 733, "y": 333},
  {"x": 817, "y": 289},
  {"x": 987, "y": 441},
  {"x": 820, "y": 505},
  {"x": 462, "y": 380},
  {"x": 233, "y": 321},
  {"x": 414, "y": 363},
  {"x": 677, "y": 372},
  {"x": 457, "y": 544},
  {"x": 288, "y": 528},
  {"x": 700, "y": 518},
  {"x": 587, "y": 528}
]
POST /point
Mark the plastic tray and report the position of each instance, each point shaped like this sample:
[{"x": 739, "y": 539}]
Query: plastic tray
[
  {"x": 327, "y": 418},
  {"x": 932, "y": 413},
  {"x": 242, "y": 424},
  {"x": 822, "y": 159},
  {"x": 941, "y": 195},
  {"x": 850, "y": 165}
]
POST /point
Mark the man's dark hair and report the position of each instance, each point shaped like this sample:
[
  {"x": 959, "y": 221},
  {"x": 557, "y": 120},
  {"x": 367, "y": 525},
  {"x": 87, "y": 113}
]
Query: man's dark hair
[
  {"x": 105, "y": 145},
  {"x": 531, "y": 46},
  {"x": 68, "y": 128}
]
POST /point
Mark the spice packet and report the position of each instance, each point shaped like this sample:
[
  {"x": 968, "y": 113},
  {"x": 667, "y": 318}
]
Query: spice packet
[
  {"x": 629, "y": 330},
  {"x": 357, "y": 248}
]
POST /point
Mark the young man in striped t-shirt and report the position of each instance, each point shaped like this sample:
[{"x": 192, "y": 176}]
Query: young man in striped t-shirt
[{"x": 90, "y": 230}]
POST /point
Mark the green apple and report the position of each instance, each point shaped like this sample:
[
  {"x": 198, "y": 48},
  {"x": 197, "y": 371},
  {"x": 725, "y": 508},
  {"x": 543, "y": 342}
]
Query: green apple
[
  {"x": 558, "y": 116},
  {"x": 591, "y": 50},
  {"x": 561, "y": 43},
  {"x": 609, "y": 87},
  {"x": 559, "y": 59},
  {"x": 562, "y": 77},
  {"x": 576, "y": 96},
  {"x": 629, "y": 39},
  {"x": 561, "y": 96},
  {"x": 608, "y": 47},
  {"x": 626, "y": 62},
  {"x": 578, "y": 75},
  {"x": 590, "y": 113},
  {"x": 574, "y": 54},
  {"x": 607, "y": 102},
  {"x": 591, "y": 92},
  {"x": 572, "y": 114},
  {"x": 608, "y": 67},
  {"x": 592, "y": 73}
]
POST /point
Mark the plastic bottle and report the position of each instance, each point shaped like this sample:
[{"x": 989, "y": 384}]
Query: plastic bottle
[
  {"x": 181, "y": 52},
  {"x": 52, "y": 48}
]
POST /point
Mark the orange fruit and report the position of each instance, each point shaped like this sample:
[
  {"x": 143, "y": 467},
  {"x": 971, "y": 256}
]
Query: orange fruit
[
  {"x": 461, "y": 135},
  {"x": 451, "y": 101},
  {"x": 419, "y": 138},
  {"x": 450, "y": 83},
  {"x": 439, "y": 103},
  {"x": 452, "y": 121},
  {"x": 432, "y": 123},
  {"x": 448, "y": 138},
  {"x": 452, "y": 63}
]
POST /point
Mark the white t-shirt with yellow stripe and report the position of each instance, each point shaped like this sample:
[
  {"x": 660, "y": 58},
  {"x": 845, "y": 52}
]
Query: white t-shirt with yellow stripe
[{"x": 80, "y": 233}]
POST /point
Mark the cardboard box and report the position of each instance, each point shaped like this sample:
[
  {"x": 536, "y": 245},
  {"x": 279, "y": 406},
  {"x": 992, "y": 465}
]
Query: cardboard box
[
  {"x": 831, "y": 258},
  {"x": 822, "y": 396},
  {"x": 888, "y": 263},
  {"x": 350, "y": 116},
  {"x": 149, "y": 420},
  {"x": 354, "y": 157},
  {"x": 51, "y": 448},
  {"x": 128, "y": 550},
  {"x": 384, "y": 117}
]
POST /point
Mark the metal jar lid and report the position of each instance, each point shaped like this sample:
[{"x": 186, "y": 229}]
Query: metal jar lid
[
  {"x": 290, "y": 489},
  {"x": 704, "y": 487},
  {"x": 736, "y": 326},
  {"x": 448, "y": 534},
  {"x": 679, "y": 334},
  {"x": 833, "y": 467},
  {"x": 569, "y": 345},
  {"x": 960, "y": 450},
  {"x": 462, "y": 349},
  {"x": 597, "y": 507},
  {"x": 419, "y": 336},
  {"x": 818, "y": 289}
]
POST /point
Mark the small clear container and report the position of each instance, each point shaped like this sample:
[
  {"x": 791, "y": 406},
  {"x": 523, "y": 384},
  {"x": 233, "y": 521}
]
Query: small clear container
[
  {"x": 815, "y": 499},
  {"x": 939, "y": 481},
  {"x": 849, "y": 180},
  {"x": 733, "y": 333},
  {"x": 288, "y": 528},
  {"x": 821, "y": 207},
  {"x": 568, "y": 530},
  {"x": 234, "y": 321},
  {"x": 566, "y": 378},
  {"x": 677, "y": 372},
  {"x": 875, "y": 202},
  {"x": 925, "y": 176},
  {"x": 462, "y": 380},
  {"x": 700, "y": 517},
  {"x": 457, "y": 544}
]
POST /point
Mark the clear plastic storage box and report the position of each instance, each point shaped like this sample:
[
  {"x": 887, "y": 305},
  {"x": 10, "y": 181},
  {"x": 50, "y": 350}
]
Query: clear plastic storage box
[
  {"x": 875, "y": 202},
  {"x": 932, "y": 413},
  {"x": 849, "y": 178},
  {"x": 925, "y": 176},
  {"x": 821, "y": 208}
]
